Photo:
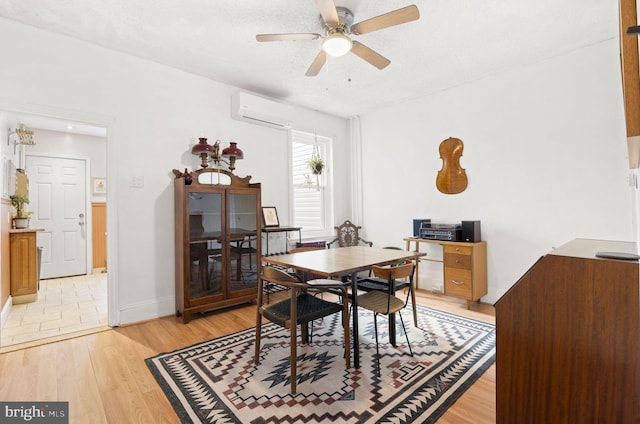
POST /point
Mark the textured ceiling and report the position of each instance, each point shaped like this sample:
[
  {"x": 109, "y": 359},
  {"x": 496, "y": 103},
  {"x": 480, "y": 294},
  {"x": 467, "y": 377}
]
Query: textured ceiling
[{"x": 453, "y": 42}]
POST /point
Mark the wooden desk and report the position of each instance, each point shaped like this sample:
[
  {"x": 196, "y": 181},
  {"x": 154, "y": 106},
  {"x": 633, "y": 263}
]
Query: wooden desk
[
  {"x": 269, "y": 230},
  {"x": 343, "y": 261},
  {"x": 465, "y": 267}
]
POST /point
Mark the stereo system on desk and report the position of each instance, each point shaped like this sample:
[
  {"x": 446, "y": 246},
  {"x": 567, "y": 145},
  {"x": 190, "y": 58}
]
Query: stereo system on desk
[{"x": 468, "y": 231}]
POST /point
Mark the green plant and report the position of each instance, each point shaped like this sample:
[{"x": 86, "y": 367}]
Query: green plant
[
  {"x": 316, "y": 164},
  {"x": 307, "y": 181},
  {"x": 18, "y": 201}
]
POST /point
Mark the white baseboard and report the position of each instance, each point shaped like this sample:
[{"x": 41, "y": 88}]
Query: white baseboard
[
  {"x": 5, "y": 310},
  {"x": 143, "y": 311}
]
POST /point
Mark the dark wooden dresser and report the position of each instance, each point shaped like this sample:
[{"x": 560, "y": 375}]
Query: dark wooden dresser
[{"x": 568, "y": 337}]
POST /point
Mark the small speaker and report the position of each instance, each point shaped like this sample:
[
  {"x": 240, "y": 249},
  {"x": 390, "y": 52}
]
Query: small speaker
[
  {"x": 417, "y": 223},
  {"x": 471, "y": 231}
]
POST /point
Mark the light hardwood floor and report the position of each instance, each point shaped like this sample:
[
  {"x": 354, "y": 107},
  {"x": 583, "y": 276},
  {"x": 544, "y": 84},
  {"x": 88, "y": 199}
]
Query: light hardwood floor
[{"x": 105, "y": 380}]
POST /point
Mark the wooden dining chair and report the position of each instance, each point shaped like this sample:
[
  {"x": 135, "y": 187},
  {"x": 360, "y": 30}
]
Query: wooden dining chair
[
  {"x": 378, "y": 283},
  {"x": 348, "y": 234},
  {"x": 299, "y": 308},
  {"x": 384, "y": 302},
  {"x": 301, "y": 276}
]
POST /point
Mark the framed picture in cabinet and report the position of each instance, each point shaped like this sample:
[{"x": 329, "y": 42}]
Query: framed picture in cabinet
[{"x": 270, "y": 216}]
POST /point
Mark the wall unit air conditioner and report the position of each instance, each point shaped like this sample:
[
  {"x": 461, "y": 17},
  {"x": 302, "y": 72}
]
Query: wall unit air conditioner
[{"x": 261, "y": 111}]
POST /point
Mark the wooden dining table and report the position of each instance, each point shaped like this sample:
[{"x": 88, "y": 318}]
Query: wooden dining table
[{"x": 340, "y": 262}]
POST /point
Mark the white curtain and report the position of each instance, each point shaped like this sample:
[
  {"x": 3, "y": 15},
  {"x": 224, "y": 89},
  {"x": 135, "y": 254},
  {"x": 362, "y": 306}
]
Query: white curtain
[{"x": 357, "y": 214}]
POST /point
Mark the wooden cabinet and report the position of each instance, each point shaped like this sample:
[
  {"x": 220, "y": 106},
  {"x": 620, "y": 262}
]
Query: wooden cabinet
[
  {"x": 465, "y": 267},
  {"x": 465, "y": 270},
  {"x": 217, "y": 234},
  {"x": 568, "y": 339},
  {"x": 23, "y": 266}
]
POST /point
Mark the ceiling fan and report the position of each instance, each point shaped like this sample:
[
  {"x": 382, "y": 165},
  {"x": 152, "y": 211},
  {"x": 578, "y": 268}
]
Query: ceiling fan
[{"x": 337, "y": 23}]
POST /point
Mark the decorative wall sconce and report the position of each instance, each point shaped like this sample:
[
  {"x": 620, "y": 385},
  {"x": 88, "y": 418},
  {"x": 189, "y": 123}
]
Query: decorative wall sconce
[{"x": 211, "y": 154}]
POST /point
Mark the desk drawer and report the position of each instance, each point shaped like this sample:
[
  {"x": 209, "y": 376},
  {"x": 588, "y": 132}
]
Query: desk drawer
[
  {"x": 458, "y": 282},
  {"x": 452, "y": 260},
  {"x": 458, "y": 249}
]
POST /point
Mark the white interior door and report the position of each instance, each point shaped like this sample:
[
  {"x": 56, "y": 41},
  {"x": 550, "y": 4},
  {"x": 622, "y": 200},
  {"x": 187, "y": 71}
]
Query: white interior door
[{"x": 57, "y": 194}]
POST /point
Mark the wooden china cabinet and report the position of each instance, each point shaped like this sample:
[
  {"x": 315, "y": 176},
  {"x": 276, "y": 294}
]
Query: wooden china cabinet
[{"x": 217, "y": 230}]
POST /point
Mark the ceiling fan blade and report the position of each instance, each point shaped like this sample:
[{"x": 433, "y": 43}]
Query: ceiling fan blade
[
  {"x": 371, "y": 56},
  {"x": 329, "y": 12},
  {"x": 396, "y": 17},
  {"x": 317, "y": 64},
  {"x": 288, "y": 37}
]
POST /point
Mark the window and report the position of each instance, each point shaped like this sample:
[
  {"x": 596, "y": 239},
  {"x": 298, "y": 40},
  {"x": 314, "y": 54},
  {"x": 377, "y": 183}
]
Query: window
[{"x": 312, "y": 197}]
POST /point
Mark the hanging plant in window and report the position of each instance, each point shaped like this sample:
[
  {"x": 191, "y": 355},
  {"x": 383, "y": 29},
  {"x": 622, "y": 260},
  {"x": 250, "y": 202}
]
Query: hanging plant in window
[
  {"x": 316, "y": 164},
  {"x": 308, "y": 183}
]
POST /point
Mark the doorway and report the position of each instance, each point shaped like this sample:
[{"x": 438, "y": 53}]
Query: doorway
[{"x": 76, "y": 297}]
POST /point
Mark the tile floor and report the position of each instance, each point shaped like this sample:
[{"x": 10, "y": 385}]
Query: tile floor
[{"x": 64, "y": 305}]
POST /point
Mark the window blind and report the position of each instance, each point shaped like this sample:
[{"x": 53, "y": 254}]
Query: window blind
[{"x": 308, "y": 190}]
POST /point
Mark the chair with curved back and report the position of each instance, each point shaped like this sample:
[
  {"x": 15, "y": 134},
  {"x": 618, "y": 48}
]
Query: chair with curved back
[
  {"x": 385, "y": 303},
  {"x": 372, "y": 283},
  {"x": 301, "y": 276},
  {"x": 348, "y": 235},
  {"x": 299, "y": 308},
  {"x": 305, "y": 276}
]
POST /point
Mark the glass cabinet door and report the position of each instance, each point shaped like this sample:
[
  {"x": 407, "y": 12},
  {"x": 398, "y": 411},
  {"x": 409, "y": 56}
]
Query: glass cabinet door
[
  {"x": 205, "y": 244},
  {"x": 243, "y": 250}
]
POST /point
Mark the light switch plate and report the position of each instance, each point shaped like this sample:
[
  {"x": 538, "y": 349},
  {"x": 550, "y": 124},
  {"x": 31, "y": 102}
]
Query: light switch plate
[{"x": 137, "y": 182}]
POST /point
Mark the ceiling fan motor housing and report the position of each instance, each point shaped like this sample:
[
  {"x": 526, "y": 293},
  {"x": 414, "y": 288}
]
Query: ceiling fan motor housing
[{"x": 345, "y": 19}]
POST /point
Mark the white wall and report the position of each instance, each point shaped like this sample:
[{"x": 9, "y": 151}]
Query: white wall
[
  {"x": 544, "y": 151},
  {"x": 153, "y": 116}
]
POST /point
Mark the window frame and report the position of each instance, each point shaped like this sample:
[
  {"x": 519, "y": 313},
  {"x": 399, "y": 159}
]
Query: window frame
[{"x": 326, "y": 186}]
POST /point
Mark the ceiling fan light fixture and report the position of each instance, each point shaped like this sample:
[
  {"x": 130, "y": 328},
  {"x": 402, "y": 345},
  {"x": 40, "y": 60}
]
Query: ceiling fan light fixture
[{"x": 336, "y": 44}]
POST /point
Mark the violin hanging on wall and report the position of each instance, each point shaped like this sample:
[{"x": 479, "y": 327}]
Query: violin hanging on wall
[{"x": 452, "y": 178}]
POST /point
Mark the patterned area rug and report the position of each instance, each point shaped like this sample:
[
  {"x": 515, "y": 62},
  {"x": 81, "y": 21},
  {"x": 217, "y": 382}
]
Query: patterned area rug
[{"x": 217, "y": 381}]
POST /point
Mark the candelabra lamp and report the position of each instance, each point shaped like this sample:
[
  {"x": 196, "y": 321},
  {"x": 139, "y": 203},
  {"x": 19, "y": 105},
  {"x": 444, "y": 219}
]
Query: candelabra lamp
[{"x": 211, "y": 155}]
